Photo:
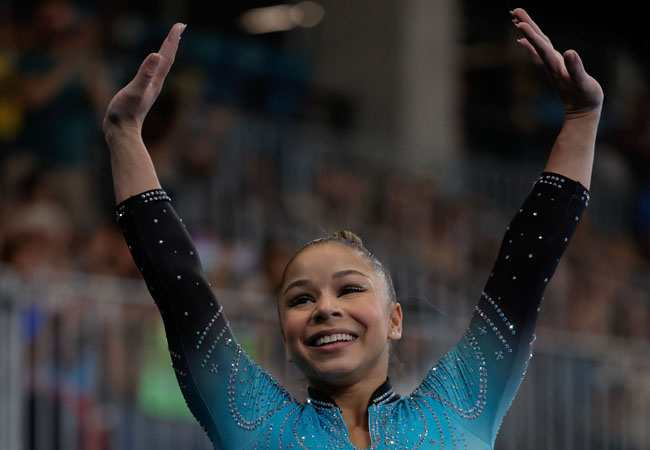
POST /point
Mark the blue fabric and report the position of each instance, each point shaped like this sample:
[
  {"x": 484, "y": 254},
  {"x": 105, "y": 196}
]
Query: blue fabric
[{"x": 459, "y": 404}]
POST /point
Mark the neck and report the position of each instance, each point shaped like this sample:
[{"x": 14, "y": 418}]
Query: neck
[{"x": 353, "y": 399}]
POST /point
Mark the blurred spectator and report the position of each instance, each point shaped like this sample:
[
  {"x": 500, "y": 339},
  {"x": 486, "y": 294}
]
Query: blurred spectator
[
  {"x": 38, "y": 232},
  {"x": 106, "y": 253},
  {"x": 12, "y": 114},
  {"x": 65, "y": 90},
  {"x": 275, "y": 254},
  {"x": 64, "y": 83}
]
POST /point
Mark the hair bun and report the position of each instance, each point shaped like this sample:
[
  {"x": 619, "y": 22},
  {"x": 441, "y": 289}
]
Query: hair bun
[{"x": 348, "y": 236}]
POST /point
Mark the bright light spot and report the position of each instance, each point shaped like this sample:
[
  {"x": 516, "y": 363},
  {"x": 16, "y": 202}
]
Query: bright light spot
[
  {"x": 281, "y": 17},
  {"x": 307, "y": 14},
  {"x": 267, "y": 20}
]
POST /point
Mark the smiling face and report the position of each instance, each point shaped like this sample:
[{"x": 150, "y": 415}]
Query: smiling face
[{"x": 336, "y": 315}]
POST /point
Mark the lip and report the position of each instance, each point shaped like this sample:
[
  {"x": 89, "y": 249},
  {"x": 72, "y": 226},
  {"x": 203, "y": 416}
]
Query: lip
[
  {"x": 332, "y": 348},
  {"x": 312, "y": 339}
]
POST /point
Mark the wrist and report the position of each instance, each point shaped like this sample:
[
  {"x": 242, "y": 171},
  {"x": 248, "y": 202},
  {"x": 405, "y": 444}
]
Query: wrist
[
  {"x": 584, "y": 115},
  {"x": 587, "y": 120},
  {"x": 118, "y": 134}
]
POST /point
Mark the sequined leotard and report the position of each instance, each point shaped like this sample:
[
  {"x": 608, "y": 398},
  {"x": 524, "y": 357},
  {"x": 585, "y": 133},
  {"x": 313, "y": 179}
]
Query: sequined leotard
[{"x": 461, "y": 401}]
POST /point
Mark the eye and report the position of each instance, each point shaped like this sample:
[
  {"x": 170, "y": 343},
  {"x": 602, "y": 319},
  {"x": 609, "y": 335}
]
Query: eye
[
  {"x": 351, "y": 288},
  {"x": 299, "y": 300}
]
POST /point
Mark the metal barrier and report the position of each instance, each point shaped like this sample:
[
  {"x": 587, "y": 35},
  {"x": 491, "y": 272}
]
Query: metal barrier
[
  {"x": 11, "y": 367},
  {"x": 85, "y": 367}
]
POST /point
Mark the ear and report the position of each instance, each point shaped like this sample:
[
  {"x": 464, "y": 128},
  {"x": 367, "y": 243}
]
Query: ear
[{"x": 395, "y": 326}]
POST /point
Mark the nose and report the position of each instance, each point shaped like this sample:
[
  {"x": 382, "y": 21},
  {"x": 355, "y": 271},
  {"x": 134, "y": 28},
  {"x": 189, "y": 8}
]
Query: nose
[{"x": 326, "y": 307}]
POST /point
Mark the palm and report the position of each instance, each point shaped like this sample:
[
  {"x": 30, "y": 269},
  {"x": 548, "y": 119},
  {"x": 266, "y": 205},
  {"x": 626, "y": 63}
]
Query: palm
[
  {"x": 580, "y": 93},
  {"x": 130, "y": 105}
]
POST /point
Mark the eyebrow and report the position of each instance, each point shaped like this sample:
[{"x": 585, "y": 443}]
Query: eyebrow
[
  {"x": 296, "y": 284},
  {"x": 342, "y": 273}
]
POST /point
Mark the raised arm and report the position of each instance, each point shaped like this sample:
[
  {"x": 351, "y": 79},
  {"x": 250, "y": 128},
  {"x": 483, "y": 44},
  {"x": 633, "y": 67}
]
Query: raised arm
[
  {"x": 572, "y": 154},
  {"x": 231, "y": 396},
  {"x": 479, "y": 378},
  {"x": 133, "y": 171}
]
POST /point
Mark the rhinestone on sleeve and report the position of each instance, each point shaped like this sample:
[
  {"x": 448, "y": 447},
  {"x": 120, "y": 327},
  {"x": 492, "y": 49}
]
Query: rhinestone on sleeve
[
  {"x": 253, "y": 395},
  {"x": 463, "y": 390},
  {"x": 136, "y": 201}
]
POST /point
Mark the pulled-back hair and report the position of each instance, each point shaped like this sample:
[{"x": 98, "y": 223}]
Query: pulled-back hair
[{"x": 350, "y": 240}]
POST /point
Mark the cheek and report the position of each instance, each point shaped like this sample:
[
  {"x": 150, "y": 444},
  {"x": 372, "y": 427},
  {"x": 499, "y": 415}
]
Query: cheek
[
  {"x": 374, "y": 318},
  {"x": 292, "y": 326}
]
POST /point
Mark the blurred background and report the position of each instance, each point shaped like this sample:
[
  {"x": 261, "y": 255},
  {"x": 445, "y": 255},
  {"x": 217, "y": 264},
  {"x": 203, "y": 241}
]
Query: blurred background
[{"x": 419, "y": 124}]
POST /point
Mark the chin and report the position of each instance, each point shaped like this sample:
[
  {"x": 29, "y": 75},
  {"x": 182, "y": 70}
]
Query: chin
[
  {"x": 338, "y": 377},
  {"x": 343, "y": 372},
  {"x": 327, "y": 371}
]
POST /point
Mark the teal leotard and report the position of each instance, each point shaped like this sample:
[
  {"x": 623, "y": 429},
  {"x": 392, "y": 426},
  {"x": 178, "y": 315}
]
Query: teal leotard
[{"x": 461, "y": 401}]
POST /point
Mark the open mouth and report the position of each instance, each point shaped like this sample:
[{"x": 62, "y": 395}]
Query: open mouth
[{"x": 331, "y": 339}]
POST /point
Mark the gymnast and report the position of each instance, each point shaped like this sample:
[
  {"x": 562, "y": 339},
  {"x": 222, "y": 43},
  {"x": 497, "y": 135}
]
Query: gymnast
[{"x": 337, "y": 306}]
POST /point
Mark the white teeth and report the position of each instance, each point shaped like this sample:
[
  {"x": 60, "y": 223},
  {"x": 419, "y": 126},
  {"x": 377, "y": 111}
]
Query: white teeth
[{"x": 333, "y": 338}]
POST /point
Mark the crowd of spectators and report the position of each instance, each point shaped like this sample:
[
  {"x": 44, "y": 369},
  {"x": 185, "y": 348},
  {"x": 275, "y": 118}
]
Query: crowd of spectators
[{"x": 251, "y": 187}]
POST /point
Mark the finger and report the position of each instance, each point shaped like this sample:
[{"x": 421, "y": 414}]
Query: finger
[
  {"x": 168, "y": 52},
  {"x": 521, "y": 15},
  {"x": 524, "y": 42},
  {"x": 145, "y": 74},
  {"x": 575, "y": 67},
  {"x": 550, "y": 58}
]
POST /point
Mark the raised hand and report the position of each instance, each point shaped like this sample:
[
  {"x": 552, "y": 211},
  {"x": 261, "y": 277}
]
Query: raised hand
[
  {"x": 580, "y": 93},
  {"x": 128, "y": 109}
]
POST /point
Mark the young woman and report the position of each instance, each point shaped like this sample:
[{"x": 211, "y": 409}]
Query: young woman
[{"x": 337, "y": 306}]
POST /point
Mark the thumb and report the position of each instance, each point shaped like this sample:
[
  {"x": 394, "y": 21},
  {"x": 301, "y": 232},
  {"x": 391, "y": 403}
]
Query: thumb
[
  {"x": 146, "y": 72},
  {"x": 574, "y": 66}
]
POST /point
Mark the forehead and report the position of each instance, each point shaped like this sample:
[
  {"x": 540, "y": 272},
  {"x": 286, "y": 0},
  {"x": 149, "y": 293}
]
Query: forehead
[{"x": 328, "y": 257}]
